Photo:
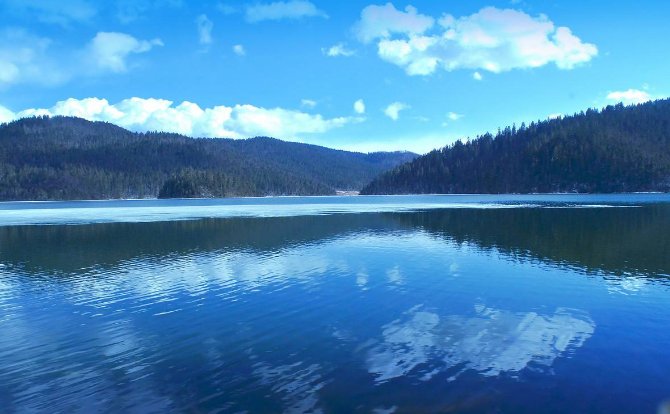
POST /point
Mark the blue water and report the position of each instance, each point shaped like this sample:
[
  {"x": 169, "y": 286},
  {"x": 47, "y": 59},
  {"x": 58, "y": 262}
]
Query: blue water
[{"x": 453, "y": 304}]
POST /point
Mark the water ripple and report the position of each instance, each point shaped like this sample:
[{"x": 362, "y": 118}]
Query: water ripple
[{"x": 414, "y": 312}]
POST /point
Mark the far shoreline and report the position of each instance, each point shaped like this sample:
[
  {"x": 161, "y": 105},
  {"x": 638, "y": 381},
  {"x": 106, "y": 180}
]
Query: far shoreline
[{"x": 341, "y": 194}]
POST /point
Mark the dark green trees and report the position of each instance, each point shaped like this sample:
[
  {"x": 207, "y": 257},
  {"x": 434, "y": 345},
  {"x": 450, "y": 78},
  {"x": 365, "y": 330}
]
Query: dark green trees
[
  {"x": 618, "y": 149},
  {"x": 188, "y": 184},
  {"x": 64, "y": 158}
]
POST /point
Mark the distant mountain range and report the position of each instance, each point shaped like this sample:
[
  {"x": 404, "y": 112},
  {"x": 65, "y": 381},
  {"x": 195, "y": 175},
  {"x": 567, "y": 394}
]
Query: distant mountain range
[
  {"x": 619, "y": 149},
  {"x": 64, "y": 158}
]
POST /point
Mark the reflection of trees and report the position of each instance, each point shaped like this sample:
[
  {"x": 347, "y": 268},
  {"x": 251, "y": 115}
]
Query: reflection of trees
[
  {"x": 612, "y": 240},
  {"x": 66, "y": 248}
]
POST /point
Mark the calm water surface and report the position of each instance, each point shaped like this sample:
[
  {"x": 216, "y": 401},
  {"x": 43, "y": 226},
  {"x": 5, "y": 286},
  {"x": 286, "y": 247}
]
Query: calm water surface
[{"x": 451, "y": 304}]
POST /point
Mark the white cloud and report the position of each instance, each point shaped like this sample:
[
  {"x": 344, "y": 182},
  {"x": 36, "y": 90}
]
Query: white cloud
[
  {"x": 492, "y": 39},
  {"x": 631, "y": 96},
  {"x": 477, "y": 76},
  {"x": 308, "y": 103},
  {"x": 294, "y": 9},
  {"x": 382, "y": 21},
  {"x": 454, "y": 116},
  {"x": 26, "y": 58},
  {"x": 109, "y": 50},
  {"x": 338, "y": 50},
  {"x": 6, "y": 115},
  {"x": 205, "y": 27},
  {"x": 239, "y": 50},
  {"x": 359, "y": 106},
  {"x": 393, "y": 110},
  {"x": 556, "y": 116},
  {"x": 239, "y": 121}
]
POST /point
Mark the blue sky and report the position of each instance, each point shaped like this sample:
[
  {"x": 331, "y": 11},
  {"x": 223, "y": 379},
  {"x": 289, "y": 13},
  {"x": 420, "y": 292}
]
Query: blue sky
[{"x": 424, "y": 73}]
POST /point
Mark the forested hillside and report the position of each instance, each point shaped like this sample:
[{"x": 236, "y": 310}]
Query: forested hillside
[
  {"x": 618, "y": 149},
  {"x": 63, "y": 158}
]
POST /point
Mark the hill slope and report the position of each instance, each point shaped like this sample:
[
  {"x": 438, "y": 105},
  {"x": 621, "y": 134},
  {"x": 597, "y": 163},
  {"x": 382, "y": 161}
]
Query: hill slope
[
  {"x": 70, "y": 158},
  {"x": 618, "y": 149}
]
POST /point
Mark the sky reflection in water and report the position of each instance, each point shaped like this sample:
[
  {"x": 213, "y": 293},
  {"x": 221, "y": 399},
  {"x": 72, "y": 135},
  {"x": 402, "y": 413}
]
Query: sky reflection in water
[{"x": 457, "y": 310}]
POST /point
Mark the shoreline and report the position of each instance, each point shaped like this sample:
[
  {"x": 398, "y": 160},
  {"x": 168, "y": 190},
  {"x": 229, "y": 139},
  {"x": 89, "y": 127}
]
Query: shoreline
[{"x": 343, "y": 194}]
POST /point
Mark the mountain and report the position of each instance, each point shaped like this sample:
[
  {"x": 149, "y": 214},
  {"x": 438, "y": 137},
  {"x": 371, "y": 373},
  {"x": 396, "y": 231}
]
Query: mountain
[
  {"x": 618, "y": 149},
  {"x": 62, "y": 158}
]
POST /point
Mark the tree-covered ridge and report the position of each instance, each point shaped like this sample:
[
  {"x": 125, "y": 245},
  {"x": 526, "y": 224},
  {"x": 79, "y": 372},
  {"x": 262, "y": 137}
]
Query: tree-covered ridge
[
  {"x": 618, "y": 149},
  {"x": 61, "y": 158}
]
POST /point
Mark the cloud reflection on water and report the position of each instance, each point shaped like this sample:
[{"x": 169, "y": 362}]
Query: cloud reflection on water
[
  {"x": 168, "y": 314},
  {"x": 492, "y": 342}
]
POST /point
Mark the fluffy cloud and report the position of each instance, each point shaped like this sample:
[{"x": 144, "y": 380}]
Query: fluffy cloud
[
  {"x": 109, "y": 50},
  {"x": 359, "y": 106},
  {"x": 239, "y": 121},
  {"x": 393, "y": 110},
  {"x": 477, "y": 76},
  {"x": 294, "y": 9},
  {"x": 382, "y": 21},
  {"x": 205, "y": 27},
  {"x": 631, "y": 96},
  {"x": 492, "y": 39},
  {"x": 239, "y": 50},
  {"x": 338, "y": 50}
]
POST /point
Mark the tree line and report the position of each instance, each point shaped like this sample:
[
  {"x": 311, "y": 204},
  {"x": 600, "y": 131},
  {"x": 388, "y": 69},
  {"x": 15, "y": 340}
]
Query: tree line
[
  {"x": 63, "y": 158},
  {"x": 616, "y": 149}
]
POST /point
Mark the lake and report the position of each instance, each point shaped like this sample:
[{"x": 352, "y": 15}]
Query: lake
[{"x": 399, "y": 304}]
